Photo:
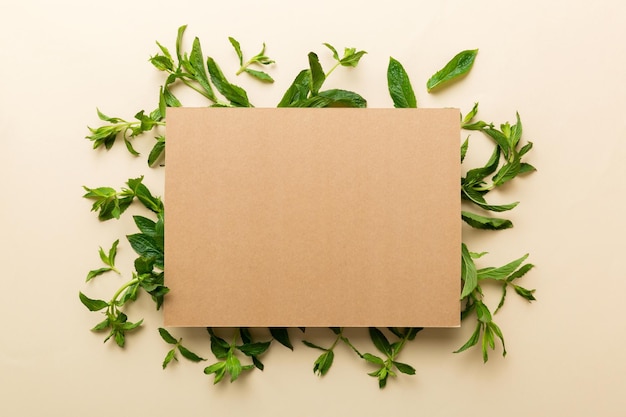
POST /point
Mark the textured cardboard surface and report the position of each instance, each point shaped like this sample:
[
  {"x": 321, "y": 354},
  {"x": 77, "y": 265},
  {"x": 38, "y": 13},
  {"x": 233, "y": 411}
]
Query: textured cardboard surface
[{"x": 312, "y": 217}]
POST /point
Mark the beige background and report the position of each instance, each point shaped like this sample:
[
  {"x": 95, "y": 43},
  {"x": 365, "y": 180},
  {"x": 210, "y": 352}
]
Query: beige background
[{"x": 560, "y": 64}]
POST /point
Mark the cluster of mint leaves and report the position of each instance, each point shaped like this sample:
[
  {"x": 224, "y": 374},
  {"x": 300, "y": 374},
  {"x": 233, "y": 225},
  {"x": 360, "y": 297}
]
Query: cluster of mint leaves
[{"x": 240, "y": 351}]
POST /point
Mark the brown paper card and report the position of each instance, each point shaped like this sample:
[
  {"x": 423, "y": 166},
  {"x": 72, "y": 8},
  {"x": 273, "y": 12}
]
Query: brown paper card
[{"x": 312, "y": 217}]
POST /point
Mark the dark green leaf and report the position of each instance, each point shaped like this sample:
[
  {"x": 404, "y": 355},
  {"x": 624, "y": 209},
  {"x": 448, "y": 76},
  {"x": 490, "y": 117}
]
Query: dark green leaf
[
  {"x": 91, "y": 304},
  {"x": 259, "y": 365},
  {"x": 254, "y": 349},
  {"x": 129, "y": 147},
  {"x": 399, "y": 86},
  {"x": 482, "y": 312},
  {"x": 313, "y": 345},
  {"x": 380, "y": 341},
  {"x": 468, "y": 272},
  {"x": 404, "y": 368},
  {"x": 119, "y": 338},
  {"x": 460, "y": 64},
  {"x": 486, "y": 223},
  {"x": 334, "y": 98},
  {"x": 165, "y": 335},
  {"x": 281, "y": 334},
  {"x": 520, "y": 272},
  {"x": 500, "y": 139},
  {"x": 526, "y": 168},
  {"x": 170, "y": 99},
  {"x": 187, "y": 354}
]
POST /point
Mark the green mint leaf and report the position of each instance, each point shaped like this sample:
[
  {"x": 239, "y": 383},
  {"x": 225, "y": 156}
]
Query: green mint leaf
[
  {"x": 217, "y": 368},
  {"x": 145, "y": 225},
  {"x": 473, "y": 340},
  {"x": 179, "y": 42},
  {"x": 92, "y": 304},
  {"x": 496, "y": 331},
  {"x": 237, "y": 47},
  {"x": 523, "y": 292},
  {"x": 380, "y": 341},
  {"x": 470, "y": 115},
  {"x": 219, "y": 346},
  {"x": 488, "y": 342},
  {"x": 501, "y": 140},
  {"x": 468, "y": 272},
  {"x": 235, "y": 94},
  {"x": 399, "y": 86},
  {"x": 333, "y": 50},
  {"x": 323, "y": 363},
  {"x": 483, "y": 313},
  {"x": 196, "y": 60},
  {"x": 105, "y": 324},
  {"x": 508, "y": 171},
  {"x": 281, "y": 335},
  {"x": 257, "y": 363},
  {"x": 168, "y": 358},
  {"x": 147, "y": 247},
  {"x": 373, "y": 359},
  {"x": 165, "y": 335},
  {"x": 520, "y": 272},
  {"x": 157, "y": 151},
  {"x": 524, "y": 150},
  {"x": 119, "y": 338},
  {"x": 477, "y": 175},
  {"x": 187, "y": 354},
  {"x": 333, "y": 98},
  {"x": 475, "y": 197},
  {"x": 263, "y": 76},
  {"x": 96, "y": 272},
  {"x": 526, "y": 168},
  {"x": 317, "y": 73},
  {"x": 485, "y": 223},
  {"x": 351, "y": 58},
  {"x": 313, "y": 345},
  {"x": 113, "y": 253},
  {"x": 460, "y": 64},
  {"x": 404, "y": 368},
  {"x": 254, "y": 349},
  {"x": 501, "y": 273},
  {"x": 464, "y": 149},
  {"x": 298, "y": 90},
  {"x": 162, "y": 63},
  {"x": 233, "y": 367}
]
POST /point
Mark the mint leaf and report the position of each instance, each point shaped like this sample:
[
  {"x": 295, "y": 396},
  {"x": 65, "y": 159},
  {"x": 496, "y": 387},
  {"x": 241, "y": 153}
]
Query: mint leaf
[
  {"x": 399, "y": 86},
  {"x": 460, "y": 64}
]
